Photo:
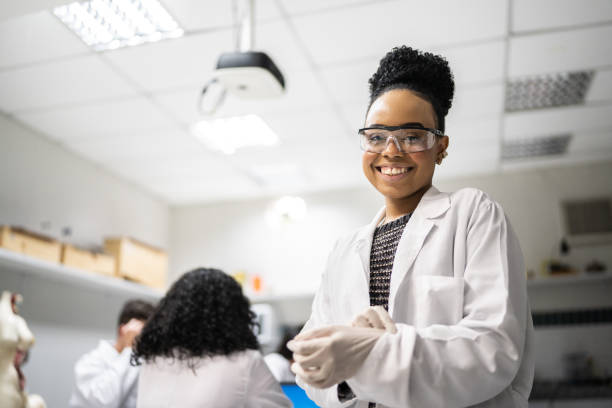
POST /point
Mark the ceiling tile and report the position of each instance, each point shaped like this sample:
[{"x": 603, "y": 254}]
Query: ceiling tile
[
  {"x": 476, "y": 101},
  {"x": 476, "y": 64},
  {"x": 529, "y": 15},
  {"x": 547, "y": 122},
  {"x": 601, "y": 87},
  {"x": 591, "y": 142},
  {"x": 68, "y": 81},
  {"x": 194, "y": 57},
  {"x": 465, "y": 133},
  {"x": 36, "y": 37},
  {"x": 98, "y": 120},
  {"x": 195, "y": 15},
  {"x": 469, "y": 160},
  {"x": 303, "y": 92},
  {"x": 156, "y": 144},
  {"x": 372, "y": 29},
  {"x": 560, "y": 51},
  {"x": 299, "y": 7},
  {"x": 348, "y": 83},
  {"x": 172, "y": 64}
]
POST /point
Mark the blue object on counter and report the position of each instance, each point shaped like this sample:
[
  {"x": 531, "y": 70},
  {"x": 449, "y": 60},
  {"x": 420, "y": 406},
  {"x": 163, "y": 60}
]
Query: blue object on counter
[{"x": 297, "y": 396}]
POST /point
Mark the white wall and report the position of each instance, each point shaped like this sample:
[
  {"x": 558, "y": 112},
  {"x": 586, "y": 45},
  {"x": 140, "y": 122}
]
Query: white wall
[{"x": 40, "y": 182}]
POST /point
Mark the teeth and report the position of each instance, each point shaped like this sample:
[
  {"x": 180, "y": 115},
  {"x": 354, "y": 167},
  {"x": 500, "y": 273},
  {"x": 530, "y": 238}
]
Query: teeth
[{"x": 392, "y": 171}]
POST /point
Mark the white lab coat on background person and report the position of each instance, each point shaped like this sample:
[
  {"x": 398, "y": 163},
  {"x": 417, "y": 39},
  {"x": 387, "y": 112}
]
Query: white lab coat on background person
[
  {"x": 458, "y": 298},
  {"x": 241, "y": 379},
  {"x": 104, "y": 378}
]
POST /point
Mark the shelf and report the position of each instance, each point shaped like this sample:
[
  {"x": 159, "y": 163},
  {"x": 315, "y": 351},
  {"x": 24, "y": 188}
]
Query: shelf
[
  {"x": 577, "y": 279},
  {"x": 40, "y": 269}
]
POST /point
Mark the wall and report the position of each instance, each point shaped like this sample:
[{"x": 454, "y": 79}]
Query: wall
[{"x": 40, "y": 182}]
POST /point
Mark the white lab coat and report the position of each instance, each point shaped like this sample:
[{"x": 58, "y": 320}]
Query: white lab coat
[
  {"x": 280, "y": 368},
  {"x": 458, "y": 297},
  {"x": 104, "y": 378},
  {"x": 241, "y": 379}
]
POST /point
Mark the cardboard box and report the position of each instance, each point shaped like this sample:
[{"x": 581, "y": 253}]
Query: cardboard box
[
  {"x": 138, "y": 261},
  {"x": 31, "y": 244},
  {"x": 89, "y": 261}
]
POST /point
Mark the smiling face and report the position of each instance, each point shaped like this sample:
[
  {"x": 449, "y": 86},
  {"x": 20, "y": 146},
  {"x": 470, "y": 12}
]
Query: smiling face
[{"x": 401, "y": 177}]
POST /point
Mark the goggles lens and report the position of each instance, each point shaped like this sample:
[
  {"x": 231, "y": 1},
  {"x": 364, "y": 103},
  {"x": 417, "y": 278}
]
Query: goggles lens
[{"x": 406, "y": 140}]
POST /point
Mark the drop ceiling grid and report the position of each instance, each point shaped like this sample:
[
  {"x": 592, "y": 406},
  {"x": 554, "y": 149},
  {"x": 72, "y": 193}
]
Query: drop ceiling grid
[
  {"x": 529, "y": 15},
  {"x": 367, "y": 29},
  {"x": 60, "y": 83},
  {"x": 97, "y": 120},
  {"x": 35, "y": 38},
  {"x": 474, "y": 45}
]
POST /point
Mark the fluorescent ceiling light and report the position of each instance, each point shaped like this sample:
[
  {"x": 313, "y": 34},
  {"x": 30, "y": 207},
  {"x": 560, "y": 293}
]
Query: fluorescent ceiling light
[
  {"x": 110, "y": 24},
  {"x": 230, "y": 134}
]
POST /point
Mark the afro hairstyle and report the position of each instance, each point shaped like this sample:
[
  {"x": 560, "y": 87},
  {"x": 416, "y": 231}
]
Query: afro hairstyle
[
  {"x": 424, "y": 73},
  {"x": 204, "y": 314}
]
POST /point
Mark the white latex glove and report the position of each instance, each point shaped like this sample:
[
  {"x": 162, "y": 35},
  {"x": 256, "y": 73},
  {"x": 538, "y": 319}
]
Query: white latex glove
[
  {"x": 376, "y": 317},
  {"x": 329, "y": 355}
]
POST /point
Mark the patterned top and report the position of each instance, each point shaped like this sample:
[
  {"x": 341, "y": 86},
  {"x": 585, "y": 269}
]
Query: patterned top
[{"x": 384, "y": 245}]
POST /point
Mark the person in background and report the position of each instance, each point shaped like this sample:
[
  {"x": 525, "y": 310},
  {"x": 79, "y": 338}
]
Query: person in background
[
  {"x": 199, "y": 349},
  {"x": 280, "y": 362},
  {"x": 104, "y": 377},
  {"x": 427, "y": 305}
]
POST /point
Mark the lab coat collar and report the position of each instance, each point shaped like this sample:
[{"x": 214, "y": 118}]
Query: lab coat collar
[{"x": 433, "y": 204}]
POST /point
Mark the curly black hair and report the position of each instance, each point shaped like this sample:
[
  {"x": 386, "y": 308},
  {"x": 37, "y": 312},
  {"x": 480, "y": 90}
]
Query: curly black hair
[
  {"x": 203, "y": 314},
  {"x": 424, "y": 73}
]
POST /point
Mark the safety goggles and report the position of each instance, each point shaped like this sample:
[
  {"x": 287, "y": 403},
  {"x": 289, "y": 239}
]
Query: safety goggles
[{"x": 407, "y": 138}]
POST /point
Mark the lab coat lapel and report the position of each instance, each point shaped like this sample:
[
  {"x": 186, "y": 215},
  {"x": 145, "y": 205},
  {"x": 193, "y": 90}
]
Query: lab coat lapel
[
  {"x": 363, "y": 244},
  {"x": 432, "y": 205}
]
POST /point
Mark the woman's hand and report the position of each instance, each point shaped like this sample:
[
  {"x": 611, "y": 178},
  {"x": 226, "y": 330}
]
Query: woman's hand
[
  {"x": 329, "y": 355},
  {"x": 375, "y": 317}
]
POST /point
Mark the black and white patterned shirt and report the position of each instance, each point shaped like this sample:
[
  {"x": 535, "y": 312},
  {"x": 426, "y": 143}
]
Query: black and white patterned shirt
[{"x": 384, "y": 246}]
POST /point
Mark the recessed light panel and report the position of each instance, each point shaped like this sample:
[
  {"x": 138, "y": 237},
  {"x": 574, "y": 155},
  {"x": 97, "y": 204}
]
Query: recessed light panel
[
  {"x": 535, "y": 147},
  {"x": 109, "y": 24},
  {"x": 546, "y": 91},
  {"x": 230, "y": 134}
]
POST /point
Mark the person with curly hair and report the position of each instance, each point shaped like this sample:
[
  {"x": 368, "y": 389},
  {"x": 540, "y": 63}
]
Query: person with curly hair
[
  {"x": 199, "y": 349},
  {"x": 426, "y": 306}
]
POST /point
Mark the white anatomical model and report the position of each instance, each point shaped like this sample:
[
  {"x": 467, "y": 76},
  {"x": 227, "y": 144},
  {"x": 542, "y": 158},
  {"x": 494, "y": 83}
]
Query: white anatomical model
[{"x": 15, "y": 340}]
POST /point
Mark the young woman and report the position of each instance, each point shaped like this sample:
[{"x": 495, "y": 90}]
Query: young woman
[
  {"x": 199, "y": 349},
  {"x": 449, "y": 322}
]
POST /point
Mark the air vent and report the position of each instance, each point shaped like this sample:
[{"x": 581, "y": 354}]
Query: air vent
[
  {"x": 588, "y": 217},
  {"x": 546, "y": 91},
  {"x": 536, "y": 147}
]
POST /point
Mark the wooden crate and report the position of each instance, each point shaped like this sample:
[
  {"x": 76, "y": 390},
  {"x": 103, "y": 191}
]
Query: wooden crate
[
  {"x": 137, "y": 261},
  {"x": 30, "y": 243},
  {"x": 89, "y": 261}
]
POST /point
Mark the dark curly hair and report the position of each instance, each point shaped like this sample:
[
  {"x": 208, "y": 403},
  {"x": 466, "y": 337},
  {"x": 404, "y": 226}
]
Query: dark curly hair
[
  {"x": 426, "y": 74},
  {"x": 203, "y": 314}
]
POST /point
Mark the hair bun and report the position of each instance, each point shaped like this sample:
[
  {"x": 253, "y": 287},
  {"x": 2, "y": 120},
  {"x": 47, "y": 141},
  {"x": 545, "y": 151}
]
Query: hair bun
[{"x": 424, "y": 72}]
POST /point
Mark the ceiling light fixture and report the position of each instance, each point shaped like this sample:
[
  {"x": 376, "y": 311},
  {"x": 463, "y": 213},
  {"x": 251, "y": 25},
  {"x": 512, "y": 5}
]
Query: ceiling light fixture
[
  {"x": 230, "y": 134},
  {"x": 110, "y": 24}
]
